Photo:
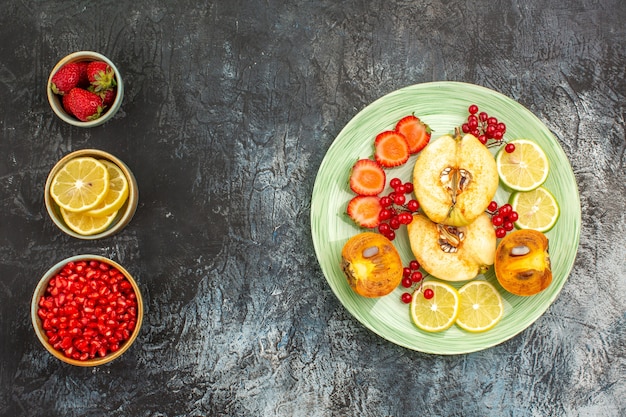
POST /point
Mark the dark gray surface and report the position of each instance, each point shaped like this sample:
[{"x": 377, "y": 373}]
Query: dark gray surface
[{"x": 229, "y": 109}]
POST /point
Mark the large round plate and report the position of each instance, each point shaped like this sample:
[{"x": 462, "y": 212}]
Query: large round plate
[{"x": 442, "y": 105}]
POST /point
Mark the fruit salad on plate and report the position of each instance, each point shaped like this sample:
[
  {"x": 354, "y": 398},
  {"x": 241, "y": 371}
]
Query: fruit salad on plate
[{"x": 455, "y": 229}]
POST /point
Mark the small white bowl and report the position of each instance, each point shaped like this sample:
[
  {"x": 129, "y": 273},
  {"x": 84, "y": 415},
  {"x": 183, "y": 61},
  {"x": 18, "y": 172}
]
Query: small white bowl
[
  {"x": 125, "y": 214},
  {"x": 56, "y": 101}
]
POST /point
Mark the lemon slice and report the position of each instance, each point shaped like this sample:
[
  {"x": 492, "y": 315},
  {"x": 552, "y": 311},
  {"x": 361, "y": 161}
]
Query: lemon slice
[
  {"x": 536, "y": 209},
  {"x": 480, "y": 306},
  {"x": 80, "y": 185},
  {"x": 117, "y": 194},
  {"x": 437, "y": 313},
  {"x": 524, "y": 169},
  {"x": 86, "y": 225}
]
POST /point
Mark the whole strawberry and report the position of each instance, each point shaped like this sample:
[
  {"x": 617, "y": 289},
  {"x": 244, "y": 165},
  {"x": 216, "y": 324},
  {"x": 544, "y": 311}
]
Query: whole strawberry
[
  {"x": 101, "y": 76},
  {"x": 70, "y": 75},
  {"x": 82, "y": 104},
  {"x": 108, "y": 97}
]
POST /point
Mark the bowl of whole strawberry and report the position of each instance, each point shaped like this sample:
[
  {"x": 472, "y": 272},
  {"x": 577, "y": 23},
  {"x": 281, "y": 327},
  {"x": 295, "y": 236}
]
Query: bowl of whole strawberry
[
  {"x": 85, "y": 89},
  {"x": 87, "y": 310}
]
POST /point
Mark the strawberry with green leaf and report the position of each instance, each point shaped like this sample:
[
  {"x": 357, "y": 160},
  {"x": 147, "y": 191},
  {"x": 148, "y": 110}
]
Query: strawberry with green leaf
[
  {"x": 101, "y": 76},
  {"x": 82, "y": 104}
]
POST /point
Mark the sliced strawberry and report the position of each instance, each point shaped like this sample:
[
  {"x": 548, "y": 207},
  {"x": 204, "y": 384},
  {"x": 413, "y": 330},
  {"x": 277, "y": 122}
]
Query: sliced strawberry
[
  {"x": 364, "y": 209},
  {"x": 391, "y": 149},
  {"x": 416, "y": 132},
  {"x": 367, "y": 177}
]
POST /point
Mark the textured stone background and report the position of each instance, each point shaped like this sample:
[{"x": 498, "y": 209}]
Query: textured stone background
[{"x": 229, "y": 109}]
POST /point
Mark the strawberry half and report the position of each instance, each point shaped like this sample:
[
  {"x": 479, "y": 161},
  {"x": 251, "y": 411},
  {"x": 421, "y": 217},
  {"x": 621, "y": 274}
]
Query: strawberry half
[
  {"x": 391, "y": 149},
  {"x": 367, "y": 177},
  {"x": 364, "y": 209},
  {"x": 416, "y": 132}
]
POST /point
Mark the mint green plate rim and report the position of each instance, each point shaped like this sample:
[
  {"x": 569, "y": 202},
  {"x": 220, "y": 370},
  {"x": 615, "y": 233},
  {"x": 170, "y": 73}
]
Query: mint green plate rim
[{"x": 442, "y": 105}]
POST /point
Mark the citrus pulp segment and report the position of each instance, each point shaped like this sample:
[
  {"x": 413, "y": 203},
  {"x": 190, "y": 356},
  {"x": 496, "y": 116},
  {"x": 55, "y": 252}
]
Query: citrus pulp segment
[
  {"x": 536, "y": 209},
  {"x": 480, "y": 306},
  {"x": 438, "y": 312},
  {"x": 117, "y": 194},
  {"x": 524, "y": 169},
  {"x": 80, "y": 185},
  {"x": 86, "y": 225}
]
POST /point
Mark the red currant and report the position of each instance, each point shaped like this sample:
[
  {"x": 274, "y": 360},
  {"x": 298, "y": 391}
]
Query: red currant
[
  {"x": 497, "y": 220},
  {"x": 413, "y": 206},
  {"x": 508, "y": 226},
  {"x": 492, "y": 207},
  {"x": 394, "y": 223},
  {"x": 416, "y": 276},
  {"x": 500, "y": 232},
  {"x": 414, "y": 265},
  {"x": 473, "y": 109},
  {"x": 428, "y": 293},
  {"x": 408, "y": 187},
  {"x": 395, "y": 182},
  {"x": 391, "y": 235},
  {"x": 406, "y": 297},
  {"x": 465, "y": 128},
  {"x": 406, "y": 272},
  {"x": 399, "y": 199},
  {"x": 385, "y": 201},
  {"x": 383, "y": 228},
  {"x": 406, "y": 282},
  {"x": 505, "y": 210},
  {"x": 509, "y": 148},
  {"x": 513, "y": 216}
]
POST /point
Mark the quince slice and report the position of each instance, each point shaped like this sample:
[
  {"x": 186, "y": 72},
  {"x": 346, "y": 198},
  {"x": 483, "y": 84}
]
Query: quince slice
[
  {"x": 453, "y": 253},
  {"x": 455, "y": 179}
]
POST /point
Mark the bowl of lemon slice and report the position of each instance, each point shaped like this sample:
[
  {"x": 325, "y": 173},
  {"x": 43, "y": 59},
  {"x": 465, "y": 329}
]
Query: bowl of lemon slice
[{"x": 91, "y": 194}]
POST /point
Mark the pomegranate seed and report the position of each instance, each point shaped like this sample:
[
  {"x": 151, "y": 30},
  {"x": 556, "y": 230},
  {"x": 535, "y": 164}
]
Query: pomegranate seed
[{"x": 89, "y": 309}]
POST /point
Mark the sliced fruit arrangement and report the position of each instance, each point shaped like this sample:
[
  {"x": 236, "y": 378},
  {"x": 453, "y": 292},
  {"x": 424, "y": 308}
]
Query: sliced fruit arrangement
[
  {"x": 89, "y": 193},
  {"x": 86, "y": 88},
  {"x": 456, "y": 230}
]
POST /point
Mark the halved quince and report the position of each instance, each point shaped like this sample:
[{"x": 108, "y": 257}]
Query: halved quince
[
  {"x": 371, "y": 264},
  {"x": 455, "y": 178},
  {"x": 522, "y": 263},
  {"x": 453, "y": 253}
]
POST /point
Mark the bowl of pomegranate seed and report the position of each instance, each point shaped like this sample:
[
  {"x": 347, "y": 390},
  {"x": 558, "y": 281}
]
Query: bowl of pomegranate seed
[
  {"x": 87, "y": 310},
  {"x": 91, "y": 194},
  {"x": 85, "y": 89}
]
